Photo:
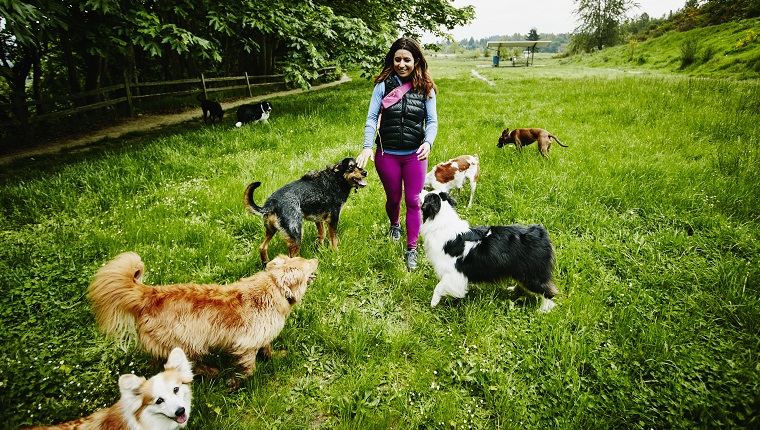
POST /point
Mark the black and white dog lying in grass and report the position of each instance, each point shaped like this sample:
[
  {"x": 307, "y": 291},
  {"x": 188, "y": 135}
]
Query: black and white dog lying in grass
[
  {"x": 253, "y": 113},
  {"x": 461, "y": 254}
]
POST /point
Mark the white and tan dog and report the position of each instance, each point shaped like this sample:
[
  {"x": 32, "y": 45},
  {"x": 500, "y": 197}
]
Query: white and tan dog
[
  {"x": 159, "y": 403},
  {"x": 450, "y": 175},
  {"x": 461, "y": 254}
]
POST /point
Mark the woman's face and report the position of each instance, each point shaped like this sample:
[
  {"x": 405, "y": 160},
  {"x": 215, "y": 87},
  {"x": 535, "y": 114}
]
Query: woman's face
[{"x": 403, "y": 63}]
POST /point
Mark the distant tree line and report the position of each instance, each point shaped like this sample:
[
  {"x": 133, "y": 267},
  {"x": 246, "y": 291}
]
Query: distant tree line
[
  {"x": 558, "y": 42},
  {"x": 49, "y": 48},
  {"x": 603, "y": 22}
]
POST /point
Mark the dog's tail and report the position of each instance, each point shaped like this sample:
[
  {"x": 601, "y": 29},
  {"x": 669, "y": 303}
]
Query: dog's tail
[
  {"x": 116, "y": 294},
  {"x": 250, "y": 205},
  {"x": 551, "y": 136}
]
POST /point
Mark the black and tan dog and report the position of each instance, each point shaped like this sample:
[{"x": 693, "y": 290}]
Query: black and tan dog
[
  {"x": 525, "y": 136},
  {"x": 211, "y": 109},
  {"x": 318, "y": 196}
]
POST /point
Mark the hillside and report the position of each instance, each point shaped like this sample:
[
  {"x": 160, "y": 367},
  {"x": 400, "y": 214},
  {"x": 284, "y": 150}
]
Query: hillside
[{"x": 728, "y": 50}]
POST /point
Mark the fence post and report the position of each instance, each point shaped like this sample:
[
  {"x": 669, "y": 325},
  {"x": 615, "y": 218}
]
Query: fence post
[
  {"x": 203, "y": 84},
  {"x": 128, "y": 93},
  {"x": 248, "y": 83}
]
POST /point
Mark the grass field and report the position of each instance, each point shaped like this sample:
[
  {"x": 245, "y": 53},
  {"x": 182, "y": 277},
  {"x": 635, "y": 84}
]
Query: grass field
[
  {"x": 729, "y": 50},
  {"x": 654, "y": 211}
]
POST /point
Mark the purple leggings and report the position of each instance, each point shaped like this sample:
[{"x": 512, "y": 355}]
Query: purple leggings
[{"x": 402, "y": 173}]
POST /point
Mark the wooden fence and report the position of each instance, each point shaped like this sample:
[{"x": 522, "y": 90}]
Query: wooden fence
[{"x": 128, "y": 93}]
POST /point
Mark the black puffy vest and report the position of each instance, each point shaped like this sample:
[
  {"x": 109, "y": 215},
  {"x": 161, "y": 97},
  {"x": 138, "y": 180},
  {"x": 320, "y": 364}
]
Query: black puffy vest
[{"x": 402, "y": 125}]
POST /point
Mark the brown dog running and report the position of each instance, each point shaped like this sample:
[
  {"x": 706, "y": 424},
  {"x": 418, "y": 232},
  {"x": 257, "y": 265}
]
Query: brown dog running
[{"x": 525, "y": 136}]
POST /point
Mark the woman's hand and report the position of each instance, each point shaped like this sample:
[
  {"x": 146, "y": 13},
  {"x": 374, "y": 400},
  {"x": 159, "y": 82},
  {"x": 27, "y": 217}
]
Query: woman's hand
[
  {"x": 366, "y": 154},
  {"x": 423, "y": 151}
]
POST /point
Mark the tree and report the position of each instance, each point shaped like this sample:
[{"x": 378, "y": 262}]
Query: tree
[
  {"x": 720, "y": 11},
  {"x": 600, "y": 23},
  {"x": 532, "y": 35},
  {"x": 25, "y": 28},
  {"x": 67, "y": 47}
]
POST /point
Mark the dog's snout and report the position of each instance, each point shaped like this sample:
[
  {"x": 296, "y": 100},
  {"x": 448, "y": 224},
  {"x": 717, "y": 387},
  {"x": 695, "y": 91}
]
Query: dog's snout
[
  {"x": 179, "y": 412},
  {"x": 364, "y": 173}
]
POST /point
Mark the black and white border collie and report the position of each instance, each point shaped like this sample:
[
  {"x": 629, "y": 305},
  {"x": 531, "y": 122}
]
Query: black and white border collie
[
  {"x": 461, "y": 254},
  {"x": 253, "y": 113}
]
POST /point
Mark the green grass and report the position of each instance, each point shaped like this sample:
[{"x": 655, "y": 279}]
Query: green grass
[
  {"x": 713, "y": 51},
  {"x": 653, "y": 209}
]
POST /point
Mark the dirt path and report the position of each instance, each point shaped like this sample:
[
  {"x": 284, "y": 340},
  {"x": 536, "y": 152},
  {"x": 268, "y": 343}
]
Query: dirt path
[{"x": 147, "y": 122}]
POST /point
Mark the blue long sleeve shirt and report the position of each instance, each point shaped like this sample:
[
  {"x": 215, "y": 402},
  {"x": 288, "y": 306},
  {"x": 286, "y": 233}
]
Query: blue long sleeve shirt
[{"x": 370, "y": 127}]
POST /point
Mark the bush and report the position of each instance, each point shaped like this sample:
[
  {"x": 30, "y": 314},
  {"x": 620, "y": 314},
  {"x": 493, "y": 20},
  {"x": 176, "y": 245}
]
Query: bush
[
  {"x": 707, "y": 54},
  {"x": 689, "y": 49},
  {"x": 751, "y": 37}
]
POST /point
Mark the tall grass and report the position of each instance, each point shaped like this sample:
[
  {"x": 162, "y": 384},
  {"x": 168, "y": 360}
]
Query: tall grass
[
  {"x": 653, "y": 210},
  {"x": 729, "y": 50}
]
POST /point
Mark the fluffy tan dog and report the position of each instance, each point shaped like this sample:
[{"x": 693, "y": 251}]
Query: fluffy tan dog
[{"x": 241, "y": 318}]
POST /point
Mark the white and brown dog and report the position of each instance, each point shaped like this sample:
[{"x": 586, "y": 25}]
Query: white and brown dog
[
  {"x": 461, "y": 254},
  {"x": 159, "y": 403},
  {"x": 451, "y": 174}
]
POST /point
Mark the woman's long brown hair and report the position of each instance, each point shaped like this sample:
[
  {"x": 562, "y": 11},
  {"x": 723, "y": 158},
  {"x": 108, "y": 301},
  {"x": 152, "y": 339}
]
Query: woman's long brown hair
[{"x": 422, "y": 82}]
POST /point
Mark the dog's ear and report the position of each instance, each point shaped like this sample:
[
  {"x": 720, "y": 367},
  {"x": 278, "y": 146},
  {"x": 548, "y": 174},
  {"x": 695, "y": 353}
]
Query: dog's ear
[
  {"x": 445, "y": 196},
  {"x": 289, "y": 280},
  {"x": 278, "y": 261},
  {"x": 430, "y": 206},
  {"x": 288, "y": 275},
  {"x": 178, "y": 361},
  {"x": 129, "y": 385},
  {"x": 505, "y": 133}
]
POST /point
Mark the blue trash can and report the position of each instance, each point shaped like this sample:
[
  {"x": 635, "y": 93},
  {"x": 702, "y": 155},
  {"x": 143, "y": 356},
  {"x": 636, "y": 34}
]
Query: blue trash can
[{"x": 496, "y": 61}]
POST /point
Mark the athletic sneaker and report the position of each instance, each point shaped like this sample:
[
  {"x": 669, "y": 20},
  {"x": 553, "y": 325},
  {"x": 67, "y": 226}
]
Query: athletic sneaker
[
  {"x": 411, "y": 258},
  {"x": 395, "y": 232}
]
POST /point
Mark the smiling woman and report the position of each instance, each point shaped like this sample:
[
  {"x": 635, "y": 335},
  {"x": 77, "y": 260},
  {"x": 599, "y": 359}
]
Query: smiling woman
[{"x": 405, "y": 96}]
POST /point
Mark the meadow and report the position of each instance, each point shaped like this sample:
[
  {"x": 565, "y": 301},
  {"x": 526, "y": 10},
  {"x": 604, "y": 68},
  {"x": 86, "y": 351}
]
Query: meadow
[{"x": 654, "y": 211}]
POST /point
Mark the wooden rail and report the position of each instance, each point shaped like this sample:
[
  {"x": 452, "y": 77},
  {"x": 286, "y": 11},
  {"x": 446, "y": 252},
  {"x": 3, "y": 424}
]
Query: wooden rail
[{"x": 130, "y": 92}]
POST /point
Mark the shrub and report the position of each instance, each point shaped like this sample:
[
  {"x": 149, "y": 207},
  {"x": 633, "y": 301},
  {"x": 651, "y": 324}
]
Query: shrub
[
  {"x": 707, "y": 54},
  {"x": 689, "y": 49},
  {"x": 751, "y": 37}
]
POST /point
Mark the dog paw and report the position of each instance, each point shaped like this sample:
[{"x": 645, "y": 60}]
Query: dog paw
[
  {"x": 546, "y": 306},
  {"x": 268, "y": 354},
  {"x": 435, "y": 301},
  {"x": 206, "y": 371},
  {"x": 234, "y": 384}
]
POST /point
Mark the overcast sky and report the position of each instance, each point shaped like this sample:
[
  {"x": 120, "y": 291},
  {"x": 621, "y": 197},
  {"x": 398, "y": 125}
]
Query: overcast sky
[{"x": 506, "y": 17}]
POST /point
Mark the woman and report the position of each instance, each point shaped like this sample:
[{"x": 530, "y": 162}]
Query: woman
[{"x": 407, "y": 127}]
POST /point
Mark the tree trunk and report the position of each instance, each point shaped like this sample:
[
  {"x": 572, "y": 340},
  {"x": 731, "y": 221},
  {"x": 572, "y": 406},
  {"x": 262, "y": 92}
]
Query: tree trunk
[
  {"x": 37, "y": 84},
  {"x": 93, "y": 68},
  {"x": 75, "y": 87},
  {"x": 19, "y": 73}
]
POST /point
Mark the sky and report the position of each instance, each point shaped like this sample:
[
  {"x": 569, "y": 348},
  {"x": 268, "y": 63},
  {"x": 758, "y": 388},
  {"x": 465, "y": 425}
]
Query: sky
[{"x": 507, "y": 17}]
